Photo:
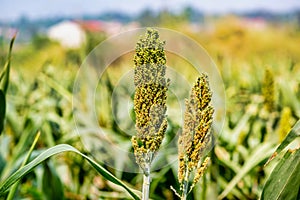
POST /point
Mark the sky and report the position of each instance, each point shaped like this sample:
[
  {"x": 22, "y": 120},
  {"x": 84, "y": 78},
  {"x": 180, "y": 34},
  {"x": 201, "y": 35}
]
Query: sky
[{"x": 11, "y": 10}]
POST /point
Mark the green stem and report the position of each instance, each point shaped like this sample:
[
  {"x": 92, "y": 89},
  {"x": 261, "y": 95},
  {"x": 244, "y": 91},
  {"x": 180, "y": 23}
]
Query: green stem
[
  {"x": 204, "y": 187},
  {"x": 146, "y": 182}
]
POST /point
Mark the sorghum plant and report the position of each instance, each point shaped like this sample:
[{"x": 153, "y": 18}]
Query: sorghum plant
[
  {"x": 195, "y": 135},
  {"x": 268, "y": 113},
  {"x": 149, "y": 101},
  {"x": 268, "y": 91},
  {"x": 285, "y": 123}
]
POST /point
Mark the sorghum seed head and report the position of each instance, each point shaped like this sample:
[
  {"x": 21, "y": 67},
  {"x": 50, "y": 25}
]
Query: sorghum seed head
[
  {"x": 268, "y": 90},
  {"x": 196, "y": 129},
  {"x": 200, "y": 172},
  {"x": 150, "y": 96},
  {"x": 285, "y": 123}
]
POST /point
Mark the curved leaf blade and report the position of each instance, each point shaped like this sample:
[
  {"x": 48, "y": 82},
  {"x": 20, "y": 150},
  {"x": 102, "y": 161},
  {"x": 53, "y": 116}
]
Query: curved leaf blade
[
  {"x": 56, "y": 150},
  {"x": 290, "y": 137}
]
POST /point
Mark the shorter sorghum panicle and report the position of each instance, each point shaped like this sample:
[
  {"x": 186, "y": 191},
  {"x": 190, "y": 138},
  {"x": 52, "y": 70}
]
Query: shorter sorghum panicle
[
  {"x": 150, "y": 98},
  {"x": 195, "y": 134},
  {"x": 268, "y": 91},
  {"x": 285, "y": 123}
]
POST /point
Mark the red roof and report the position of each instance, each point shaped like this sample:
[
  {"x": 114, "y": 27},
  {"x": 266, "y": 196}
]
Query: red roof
[{"x": 91, "y": 25}]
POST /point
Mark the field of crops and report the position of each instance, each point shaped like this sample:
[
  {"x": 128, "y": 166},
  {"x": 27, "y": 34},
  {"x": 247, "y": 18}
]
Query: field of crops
[{"x": 51, "y": 100}]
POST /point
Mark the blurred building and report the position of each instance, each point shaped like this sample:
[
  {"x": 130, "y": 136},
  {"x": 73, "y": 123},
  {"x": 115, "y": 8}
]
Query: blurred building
[
  {"x": 68, "y": 33},
  {"x": 254, "y": 23},
  {"x": 72, "y": 34}
]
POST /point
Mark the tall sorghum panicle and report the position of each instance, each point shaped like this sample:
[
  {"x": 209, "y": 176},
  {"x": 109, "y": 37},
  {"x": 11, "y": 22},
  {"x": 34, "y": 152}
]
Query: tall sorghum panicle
[
  {"x": 268, "y": 91},
  {"x": 195, "y": 134},
  {"x": 149, "y": 100}
]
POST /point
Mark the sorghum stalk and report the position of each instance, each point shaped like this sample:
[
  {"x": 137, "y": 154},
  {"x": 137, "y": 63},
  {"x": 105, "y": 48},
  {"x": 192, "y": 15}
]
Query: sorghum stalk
[
  {"x": 146, "y": 182},
  {"x": 149, "y": 101},
  {"x": 195, "y": 135},
  {"x": 185, "y": 185}
]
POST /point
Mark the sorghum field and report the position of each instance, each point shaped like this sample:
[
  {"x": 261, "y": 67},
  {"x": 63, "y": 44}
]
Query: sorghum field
[{"x": 260, "y": 72}]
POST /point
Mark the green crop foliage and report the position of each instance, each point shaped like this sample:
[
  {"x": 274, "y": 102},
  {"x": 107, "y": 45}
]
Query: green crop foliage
[{"x": 262, "y": 117}]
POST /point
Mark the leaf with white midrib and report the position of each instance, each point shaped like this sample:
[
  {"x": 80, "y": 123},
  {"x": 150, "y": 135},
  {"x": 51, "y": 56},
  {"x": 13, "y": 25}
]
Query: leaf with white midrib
[
  {"x": 4, "y": 186},
  {"x": 284, "y": 179}
]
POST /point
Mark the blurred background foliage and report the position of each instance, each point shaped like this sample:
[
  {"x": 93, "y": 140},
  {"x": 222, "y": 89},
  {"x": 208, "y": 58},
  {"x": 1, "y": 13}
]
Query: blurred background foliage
[{"x": 259, "y": 61}]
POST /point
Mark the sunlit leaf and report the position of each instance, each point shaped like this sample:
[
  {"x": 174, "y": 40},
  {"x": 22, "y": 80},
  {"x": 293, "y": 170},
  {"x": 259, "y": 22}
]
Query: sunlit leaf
[{"x": 290, "y": 137}]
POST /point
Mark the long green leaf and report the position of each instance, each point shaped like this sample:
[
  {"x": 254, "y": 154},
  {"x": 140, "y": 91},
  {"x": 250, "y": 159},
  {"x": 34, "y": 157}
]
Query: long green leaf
[
  {"x": 284, "y": 181},
  {"x": 261, "y": 153},
  {"x": 56, "y": 150},
  {"x": 2, "y": 110},
  {"x": 4, "y": 79},
  {"x": 291, "y": 136}
]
